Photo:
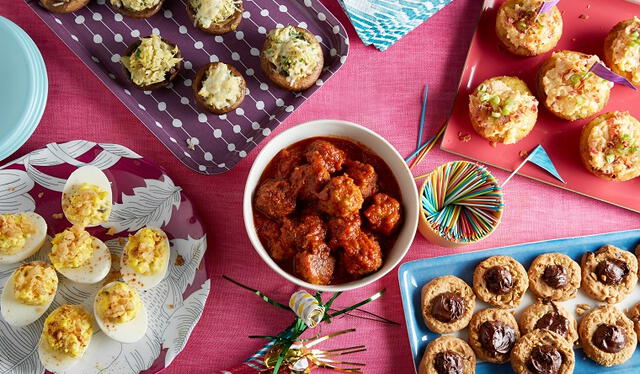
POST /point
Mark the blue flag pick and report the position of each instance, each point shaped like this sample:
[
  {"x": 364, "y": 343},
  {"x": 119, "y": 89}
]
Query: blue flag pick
[{"x": 539, "y": 157}]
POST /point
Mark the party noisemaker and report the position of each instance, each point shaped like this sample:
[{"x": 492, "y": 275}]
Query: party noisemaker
[{"x": 460, "y": 203}]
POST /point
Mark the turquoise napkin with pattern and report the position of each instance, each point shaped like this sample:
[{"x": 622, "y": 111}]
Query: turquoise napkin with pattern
[{"x": 384, "y": 22}]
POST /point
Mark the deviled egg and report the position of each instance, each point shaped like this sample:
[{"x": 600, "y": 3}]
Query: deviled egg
[
  {"x": 65, "y": 337},
  {"x": 21, "y": 235},
  {"x": 79, "y": 256},
  {"x": 28, "y": 293},
  {"x": 86, "y": 197},
  {"x": 120, "y": 313},
  {"x": 145, "y": 258}
]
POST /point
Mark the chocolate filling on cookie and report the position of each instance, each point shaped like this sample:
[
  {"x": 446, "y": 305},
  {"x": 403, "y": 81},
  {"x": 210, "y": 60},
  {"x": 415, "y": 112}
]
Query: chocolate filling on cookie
[
  {"x": 554, "y": 321},
  {"x": 555, "y": 276},
  {"x": 499, "y": 280},
  {"x": 609, "y": 338},
  {"x": 447, "y": 307},
  {"x": 611, "y": 271},
  {"x": 496, "y": 337},
  {"x": 545, "y": 359},
  {"x": 448, "y": 362}
]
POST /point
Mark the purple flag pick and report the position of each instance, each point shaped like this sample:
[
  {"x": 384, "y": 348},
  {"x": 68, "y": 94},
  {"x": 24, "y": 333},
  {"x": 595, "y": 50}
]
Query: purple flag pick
[
  {"x": 603, "y": 72},
  {"x": 547, "y": 6}
]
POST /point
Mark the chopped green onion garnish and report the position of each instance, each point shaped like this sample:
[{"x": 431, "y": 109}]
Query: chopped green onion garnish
[
  {"x": 634, "y": 35},
  {"x": 485, "y": 97},
  {"x": 522, "y": 25},
  {"x": 482, "y": 87},
  {"x": 610, "y": 157},
  {"x": 496, "y": 115},
  {"x": 505, "y": 111},
  {"x": 495, "y": 100},
  {"x": 574, "y": 79}
]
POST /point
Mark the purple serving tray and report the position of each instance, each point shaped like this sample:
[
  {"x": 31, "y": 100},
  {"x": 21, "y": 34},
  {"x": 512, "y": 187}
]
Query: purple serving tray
[{"x": 204, "y": 142}]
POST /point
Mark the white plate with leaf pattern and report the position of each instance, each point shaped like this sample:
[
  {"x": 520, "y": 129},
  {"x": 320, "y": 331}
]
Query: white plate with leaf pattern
[{"x": 143, "y": 195}]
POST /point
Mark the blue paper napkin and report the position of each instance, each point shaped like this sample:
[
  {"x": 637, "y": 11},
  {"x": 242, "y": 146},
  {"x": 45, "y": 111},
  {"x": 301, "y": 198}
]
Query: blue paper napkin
[{"x": 384, "y": 22}]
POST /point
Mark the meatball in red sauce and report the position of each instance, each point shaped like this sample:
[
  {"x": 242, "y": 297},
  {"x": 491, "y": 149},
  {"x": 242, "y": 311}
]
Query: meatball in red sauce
[
  {"x": 340, "y": 197},
  {"x": 275, "y": 198},
  {"x": 327, "y": 210},
  {"x": 384, "y": 214}
]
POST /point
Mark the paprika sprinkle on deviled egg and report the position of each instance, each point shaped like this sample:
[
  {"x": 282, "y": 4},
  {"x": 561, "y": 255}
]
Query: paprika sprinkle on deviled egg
[
  {"x": 79, "y": 256},
  {"x": 21, "y": 235},
  {"x": 86, "y": 197},
  {"x": 28, "y": 293},
  {"x": 145, "y": 258},
  {"x": 65, "y": 337},
  {"x": 120, "y": 313}
]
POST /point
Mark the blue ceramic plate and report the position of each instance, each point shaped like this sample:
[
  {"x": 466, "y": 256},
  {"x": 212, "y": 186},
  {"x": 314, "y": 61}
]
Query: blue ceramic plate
[
  {"x": 415, "y": 274},
  {"x": 23, "y": 87}
]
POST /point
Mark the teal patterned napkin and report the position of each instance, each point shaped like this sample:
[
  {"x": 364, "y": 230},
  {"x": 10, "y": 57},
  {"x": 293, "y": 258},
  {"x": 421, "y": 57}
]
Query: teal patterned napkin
[{"x": 383, "y": 22}]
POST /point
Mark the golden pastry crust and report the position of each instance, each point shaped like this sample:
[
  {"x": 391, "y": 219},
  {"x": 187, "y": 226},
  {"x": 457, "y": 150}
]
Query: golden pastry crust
[
  {"x": 201, "y": 76},
  {"x": 622, "y": 49},
  {"x": 568, "y": 90},
  {"x": 447, "y": 344},
  {"x": 532, "y": 314},
  {"x": 220, "y": 28},
  {"x": 144, "y": 13},
  {"x": 489, "y": 315},
  {"x": 59, "y": 6},
  {"x": 511, "y": 299},
  {"x": 607, "y": 315},
  {"x": 503, "y": 110},
  {"x": 522, "y": 351},
  {"x": 440, "y": 285},
  {"x": 542, "y": 289},
  {"x": 525, "y": 33},
  {"x": 281, "y": 80},
  {"x": 609, "y": 293},
  {"x": 610, "y": 146}
]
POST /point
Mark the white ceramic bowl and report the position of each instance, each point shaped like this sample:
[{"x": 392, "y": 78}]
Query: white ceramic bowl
[{"x": 366, "y": 137}]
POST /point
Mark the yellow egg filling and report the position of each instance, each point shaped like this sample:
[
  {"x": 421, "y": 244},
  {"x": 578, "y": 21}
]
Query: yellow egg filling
[
  {"x": 71, "y": 248},
  {"x": 118, "y": 303},
  {"x": 68, "y": 330},
  {"x": 146, "y": 251},
  {"x": 86, "y": 204},
  {"x": 15, "y": 229},
  {"x": 291, "y": 54},
  {"x": 35, "y": 283}
]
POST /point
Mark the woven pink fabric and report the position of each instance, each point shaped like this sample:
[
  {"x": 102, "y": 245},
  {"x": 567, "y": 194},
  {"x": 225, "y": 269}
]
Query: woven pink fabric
[{"x": 378, "y": 90}]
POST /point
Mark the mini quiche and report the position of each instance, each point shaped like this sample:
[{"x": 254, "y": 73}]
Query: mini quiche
[
  {"x": 28, "y": 293},
  {"x": 292, "y": 58},
  {"x": 63, "y": 6},
  {"x": 568, "y": 89},
  {"x": 66, "y": 334},
  {"x": 523, "y": 31},
  {"x": 151, "y": 62},
  {"x": 610, "y": 146},
  {"x": 219, "y": 87},
  {"x": 215, "y": 17},
  {"x": 137, "y": 8},
  {"x": 503, "y": 110},
  {"x": 622, "y": 49}
]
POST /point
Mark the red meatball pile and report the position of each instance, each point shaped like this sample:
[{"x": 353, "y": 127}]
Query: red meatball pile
[{"x": 322, "y": 214}]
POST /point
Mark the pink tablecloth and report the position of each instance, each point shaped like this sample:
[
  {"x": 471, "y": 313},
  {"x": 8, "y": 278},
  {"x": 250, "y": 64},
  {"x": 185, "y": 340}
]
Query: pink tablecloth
[{"x": 378, "y": 90}]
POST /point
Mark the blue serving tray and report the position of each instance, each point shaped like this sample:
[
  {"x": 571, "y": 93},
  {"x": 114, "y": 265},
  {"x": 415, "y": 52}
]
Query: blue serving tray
[{"x": 415, "y": 274}]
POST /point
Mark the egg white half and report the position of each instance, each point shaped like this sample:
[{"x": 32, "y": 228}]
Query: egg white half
[
  {"x": 87, "y": 174},
  {"x": 128, "y": 332},
  {"x": 17, "y": 313},
  {"x": 53, "y": 360},
  {"x": 94, "y": 269},
  {"x": 33, "y": 243},
  {"x": 141, "y": 281}
]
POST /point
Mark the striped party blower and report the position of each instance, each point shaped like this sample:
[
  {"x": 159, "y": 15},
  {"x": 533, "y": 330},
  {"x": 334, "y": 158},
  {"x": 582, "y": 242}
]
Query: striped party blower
[{"x": 461, "y": 203}]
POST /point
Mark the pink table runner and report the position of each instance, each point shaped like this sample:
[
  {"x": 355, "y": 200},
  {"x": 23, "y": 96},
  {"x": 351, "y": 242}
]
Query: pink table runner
[{"x": 378, "y": 90}]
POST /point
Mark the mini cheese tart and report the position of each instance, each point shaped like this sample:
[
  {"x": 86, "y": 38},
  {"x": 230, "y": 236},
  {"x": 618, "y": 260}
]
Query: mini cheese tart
[
  {"x": 610, "y": 146},
  {"x": 145, "y": 258},
  {"x": 28, "y": 293},
  {"x": 219, "y": 87},
  {"x": 151, "y": 62},
  {"x": 216, "y": 17},
  {"x": 66, "y": 334},
  {"x": 86, "y": 197},
  {"x": 503, "y": 110},
  {"x": 137, "y": 8},
  {"x": 622, "y": 49},
  {"x": 63, "y": 6},
  {"x": 21, "y": 235},
  {"x": 120, "y": 313},
  {"x": 568, "y": 89},
  {"x": 292, "y": 58},
  {"x": 523, "y": 31},
  {"x": 79, "y": 256}
]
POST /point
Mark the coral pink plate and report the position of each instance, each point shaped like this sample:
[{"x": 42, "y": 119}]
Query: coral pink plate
[{"x": 586, "y": 23}]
